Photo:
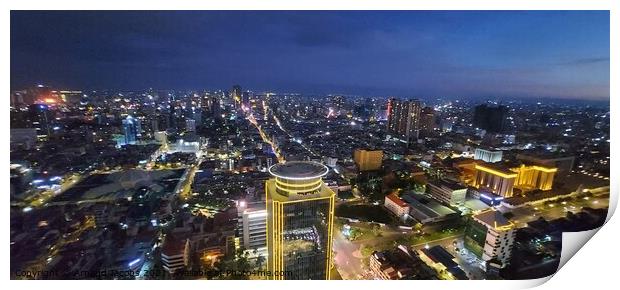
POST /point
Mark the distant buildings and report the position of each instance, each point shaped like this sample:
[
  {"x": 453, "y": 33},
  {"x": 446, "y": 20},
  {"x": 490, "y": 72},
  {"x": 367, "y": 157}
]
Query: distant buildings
[
  {"x": 24, "y": 138},
  {"x": 190, "y": 125},
  {"x": 488, "y": 155},
  {"x": 404, "y": 119},
  {"x": 367, "y": 160},
  {"x": 490, "y": 235},
  {"x": 236, "y": 94},
  {"x": 491, "y": 119},
  {"x": 427, "y": 120},
  {"x": 300, "y": 213},
  {"x": 131, "y": 130},
  {"x": 401, "y": 263},
  {"x": 41, "y": 119},
  {"x": 447, "y": 192}
]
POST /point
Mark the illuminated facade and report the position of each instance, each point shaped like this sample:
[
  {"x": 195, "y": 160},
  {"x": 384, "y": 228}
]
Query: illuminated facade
[
  {"x": 404, "y": 118},
  {"x": 300, "y": 213},
  {"x": 502, "y": 181},
  {"x": 534, "y": 177},
  {"x": 368, "y": 159},
  {"x": 496, "y": 180}
]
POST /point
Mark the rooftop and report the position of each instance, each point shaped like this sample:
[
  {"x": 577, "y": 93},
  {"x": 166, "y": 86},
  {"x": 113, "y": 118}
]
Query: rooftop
[
  {"x": 493, "y": 218},
  {"x": 299, "y": 170}
]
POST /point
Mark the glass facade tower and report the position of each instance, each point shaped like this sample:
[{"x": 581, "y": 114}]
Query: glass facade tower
[{"x": 300, "y": 214}]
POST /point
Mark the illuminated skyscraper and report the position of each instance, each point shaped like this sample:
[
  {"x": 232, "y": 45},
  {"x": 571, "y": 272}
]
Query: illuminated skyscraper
[
  {"x": 41, "y": 119},
  {"x": 235, "y": 94},
  {"x": 300, "y": 213},
  {"x": 404, "y": 119},
  {"x": 131, "y": 129}
]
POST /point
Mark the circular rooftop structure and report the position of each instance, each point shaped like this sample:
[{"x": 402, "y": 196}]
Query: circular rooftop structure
[{"x": 298, "y": 170}]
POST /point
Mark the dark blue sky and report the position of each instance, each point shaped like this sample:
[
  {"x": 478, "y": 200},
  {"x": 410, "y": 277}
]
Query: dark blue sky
[{"x": 560, "y": 54}]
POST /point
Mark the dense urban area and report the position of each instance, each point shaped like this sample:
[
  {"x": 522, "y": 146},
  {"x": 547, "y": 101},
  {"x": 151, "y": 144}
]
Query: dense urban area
[{"x": 162, "y": 184}]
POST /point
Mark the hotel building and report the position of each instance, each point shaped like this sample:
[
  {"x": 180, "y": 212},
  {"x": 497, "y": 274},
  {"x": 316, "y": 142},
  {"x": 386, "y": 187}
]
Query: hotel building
[{"x": 490, "y": 236}]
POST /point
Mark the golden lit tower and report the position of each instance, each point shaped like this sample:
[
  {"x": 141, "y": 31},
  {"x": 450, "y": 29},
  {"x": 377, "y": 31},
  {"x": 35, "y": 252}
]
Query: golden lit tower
[{"x": 300, "y": 215}]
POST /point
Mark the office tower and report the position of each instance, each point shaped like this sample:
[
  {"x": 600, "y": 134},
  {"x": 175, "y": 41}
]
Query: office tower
[
  {"x": 490, "y": 236},
  {"x": 197, "y": 115},
  {"x": 172, "y": 116},
  {"x": 131, "y": 130},
  {"x": 252, "y": 225},
  {"x": 41, "y": 119},
  {"x": 404, "y": 119},
  {"x": 155, "y": 124},
  {"x": 300, "y": 213},
  {"x": 245, "y": 99},
  {"x": 491, "y": 119},
  {"x": 368, "y": 159},
  {"x": 235, "y": 94},
  {"x": 488, "y": 155},
  {"x": 427, "y": 120},
  {"x": 190, "y": 125}
]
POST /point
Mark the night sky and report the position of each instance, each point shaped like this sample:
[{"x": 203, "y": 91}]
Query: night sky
[{"x": 558, "y": 54}]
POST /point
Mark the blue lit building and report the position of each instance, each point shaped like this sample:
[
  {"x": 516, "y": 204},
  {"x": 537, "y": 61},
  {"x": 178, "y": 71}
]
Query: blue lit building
[{"x": 131, "y": 130}]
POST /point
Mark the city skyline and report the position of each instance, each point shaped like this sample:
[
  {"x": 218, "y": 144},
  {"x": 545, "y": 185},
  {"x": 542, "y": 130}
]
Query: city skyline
[
  {"x": 305, "y": 145},
  {"x": 511, "y": 54}
]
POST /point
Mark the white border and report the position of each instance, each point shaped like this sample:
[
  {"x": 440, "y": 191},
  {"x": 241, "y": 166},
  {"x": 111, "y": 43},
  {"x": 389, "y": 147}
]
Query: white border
[{"x": 595, "y": 265}]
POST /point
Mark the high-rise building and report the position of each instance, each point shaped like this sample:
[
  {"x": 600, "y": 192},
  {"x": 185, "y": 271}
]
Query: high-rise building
[
  {"x": 490, "y": 236},
  {"x": 252, "y": 225},
  {"x": 235, "y": 94},
  {"x": 131, "y": 130},
  {"x": 172, "y": 116},
  {"x": 427, "y": 120},
  {"x": 404, "y": 119},
  {"x": 41, "y": 119},
  {"x": 491, "y": 119},
  {"x": 300, "y": 214},
  {"x": 368, "y": 159},
  {"x": 190, "y": 125}
]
